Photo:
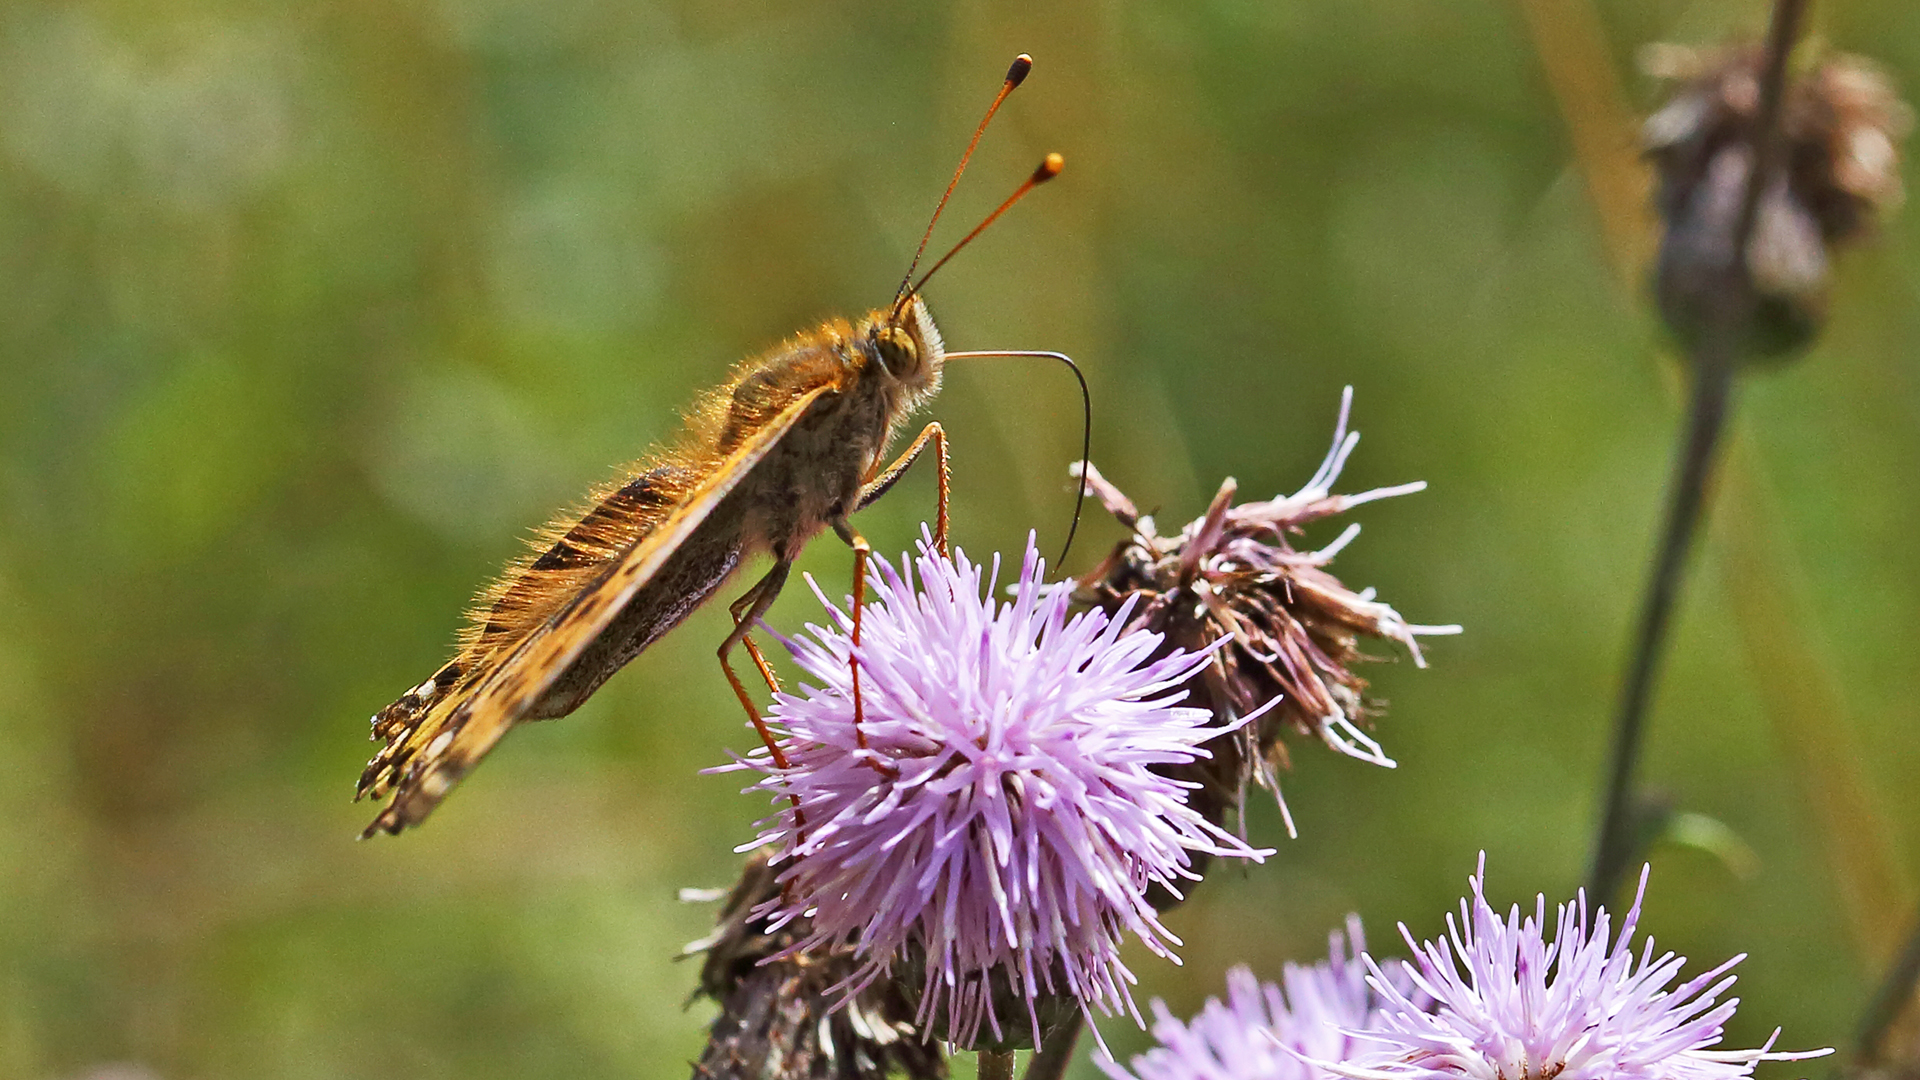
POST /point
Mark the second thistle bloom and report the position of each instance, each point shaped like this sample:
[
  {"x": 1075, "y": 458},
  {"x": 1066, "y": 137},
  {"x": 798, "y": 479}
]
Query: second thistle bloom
[
  {"x": 1508, "y": 1003},
  {"x": 1495, "y": 999},
  {"x": 1294, "y": 632},
  {"x": 1268, "y": 1031},
  {"x": 999, "y": 829}
]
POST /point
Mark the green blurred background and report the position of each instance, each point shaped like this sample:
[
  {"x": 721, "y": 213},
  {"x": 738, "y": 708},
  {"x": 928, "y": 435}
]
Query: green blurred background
[{"x": 309, "y": 312}]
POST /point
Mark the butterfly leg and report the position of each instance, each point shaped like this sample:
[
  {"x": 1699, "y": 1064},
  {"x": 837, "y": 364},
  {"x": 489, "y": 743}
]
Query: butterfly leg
[
  {"x": 862, "y": 551},
  {"x": 766, "y": 670},
  {"x": 879, "y": 485},
  {"x": 747, "y": 611}
]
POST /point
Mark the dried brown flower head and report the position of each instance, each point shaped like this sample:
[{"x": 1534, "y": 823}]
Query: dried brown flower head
[
  {"x": 1295, "y": 631},
  {"x": 782, "y": 1016},
  {"x": 1841, "y": 123}
]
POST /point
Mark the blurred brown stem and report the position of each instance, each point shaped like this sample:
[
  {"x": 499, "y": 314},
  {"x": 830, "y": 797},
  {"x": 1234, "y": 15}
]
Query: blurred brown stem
[
  {"x": 1572, "y": 46},
  {"x": 996, "y": 1065},
  {"x": 1051, "y": 1060},
  {"x": 1768, "y": 596},
  {"x": 1891, "y": 999}
]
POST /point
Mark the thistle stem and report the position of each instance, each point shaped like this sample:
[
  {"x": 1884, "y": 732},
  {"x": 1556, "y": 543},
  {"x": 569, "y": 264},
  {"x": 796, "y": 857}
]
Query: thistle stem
[
  {"x": 1716, "y": 358},
  {"x": 996, "y": 1065},
  {"x": 1616, "y": 844}
]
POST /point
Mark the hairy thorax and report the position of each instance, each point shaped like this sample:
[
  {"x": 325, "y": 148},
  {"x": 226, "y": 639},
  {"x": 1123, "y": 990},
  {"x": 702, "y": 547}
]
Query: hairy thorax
[
  {"x": 790, "y": 496},
  {"x": 816, "y": 473}
]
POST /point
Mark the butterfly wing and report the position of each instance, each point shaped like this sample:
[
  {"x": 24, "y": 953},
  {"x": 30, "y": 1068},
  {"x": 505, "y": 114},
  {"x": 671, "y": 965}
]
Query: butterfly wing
[{"x": 458, "y": 729}]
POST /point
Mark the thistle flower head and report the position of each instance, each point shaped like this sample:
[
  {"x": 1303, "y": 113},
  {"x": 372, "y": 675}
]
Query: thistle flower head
[
  {"x": 1510, "y": 1005},
  {"x": 1265, "y": 1031},
  {"x": 1003, "y": 821},
  {"x": 1293, "y": 630}
]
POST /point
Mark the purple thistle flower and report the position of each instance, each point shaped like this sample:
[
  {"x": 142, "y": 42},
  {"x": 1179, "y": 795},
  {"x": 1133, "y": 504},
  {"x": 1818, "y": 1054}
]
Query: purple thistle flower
[
  {"x": 1004, "y": 822},
  {"x": 1509, "y": 1005},
  {"x": 1266, "y": 1031}
]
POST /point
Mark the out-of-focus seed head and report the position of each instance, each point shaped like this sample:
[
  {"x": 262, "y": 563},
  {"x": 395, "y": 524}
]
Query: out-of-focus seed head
[
  {"x": 1841, "y": 125},
  {"x": 781, "y": 1015},
  {"x": 1294, "y": 631},
  {"x": 1895, "y": 1057}
]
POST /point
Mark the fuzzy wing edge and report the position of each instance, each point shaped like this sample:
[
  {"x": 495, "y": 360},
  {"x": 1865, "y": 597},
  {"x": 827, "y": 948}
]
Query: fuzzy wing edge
[{"x": 468, "y": 726}]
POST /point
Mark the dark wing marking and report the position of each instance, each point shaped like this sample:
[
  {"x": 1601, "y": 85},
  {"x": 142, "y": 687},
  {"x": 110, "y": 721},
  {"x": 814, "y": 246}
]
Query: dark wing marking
[
  {"x": 626, "y": 506},
  {"x": 530, "y": 593},
  {"x": 477, "y": 720}
]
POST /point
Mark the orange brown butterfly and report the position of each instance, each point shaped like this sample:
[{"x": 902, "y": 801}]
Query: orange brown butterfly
[{"x": 789, "y": 446}]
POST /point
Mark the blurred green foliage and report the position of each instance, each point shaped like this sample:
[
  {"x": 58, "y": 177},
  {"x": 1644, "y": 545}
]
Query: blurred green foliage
[{"x": 308, "y": 312}]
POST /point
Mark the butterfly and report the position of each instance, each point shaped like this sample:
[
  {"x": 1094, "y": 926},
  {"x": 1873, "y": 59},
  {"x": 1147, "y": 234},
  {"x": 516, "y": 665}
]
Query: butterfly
[{"x": 791, "y": 445}]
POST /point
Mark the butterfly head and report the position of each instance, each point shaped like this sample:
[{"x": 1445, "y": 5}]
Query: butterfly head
[{"x": 907, "y": 345}]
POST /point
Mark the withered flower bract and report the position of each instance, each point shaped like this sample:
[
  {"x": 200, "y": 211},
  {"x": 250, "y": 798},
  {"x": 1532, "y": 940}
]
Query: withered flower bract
[
  {"x": 780, "y": 1013},
  {"x": 1294, "y": 630}
]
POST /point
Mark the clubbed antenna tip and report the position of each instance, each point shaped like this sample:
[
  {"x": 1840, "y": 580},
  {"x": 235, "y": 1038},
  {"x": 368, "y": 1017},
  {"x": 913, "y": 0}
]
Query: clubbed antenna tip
[{"x": 1017, "y": 71}]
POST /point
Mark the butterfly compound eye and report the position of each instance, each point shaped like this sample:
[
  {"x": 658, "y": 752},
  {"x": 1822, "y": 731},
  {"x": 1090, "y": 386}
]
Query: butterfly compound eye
[{"x": 897, "y": 350}]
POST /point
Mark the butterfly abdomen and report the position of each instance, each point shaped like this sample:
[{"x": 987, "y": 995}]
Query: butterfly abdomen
[{"x": 689, "y": 577}]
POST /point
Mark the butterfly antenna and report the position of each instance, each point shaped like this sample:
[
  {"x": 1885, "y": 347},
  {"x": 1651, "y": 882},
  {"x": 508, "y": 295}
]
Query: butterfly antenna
[
  {"x": 1016, "y": 74},
  {"x": 1086, "y": 419},
  {"x": 1049, "y": 168}
]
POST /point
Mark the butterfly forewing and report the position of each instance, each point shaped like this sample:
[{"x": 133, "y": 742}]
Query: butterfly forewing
[
  {"x": 531, "y": 591},
  {"x": 438, "y": 731},
  {"x": 564, "y": 561}
]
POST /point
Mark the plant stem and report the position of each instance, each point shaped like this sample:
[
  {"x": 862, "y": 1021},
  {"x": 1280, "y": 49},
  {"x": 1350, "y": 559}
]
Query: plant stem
[
  {"x": 1616, "y": 844},
  {"x": 1760, "y": 575},
  {"x": 1716, "y": 358},
  {"x": 996, "y": 1065}
]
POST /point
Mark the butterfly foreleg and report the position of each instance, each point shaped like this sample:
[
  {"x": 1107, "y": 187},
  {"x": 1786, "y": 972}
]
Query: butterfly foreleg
[
  {"x": 747, "y": 611},
  {"x": 880, "y": 484},
  {"x": 862, "y": 551},
  {"x": 736, "y": 609}
]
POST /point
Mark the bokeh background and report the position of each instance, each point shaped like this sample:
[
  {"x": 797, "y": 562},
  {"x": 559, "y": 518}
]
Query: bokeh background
[{"x": 308, "y": 313}]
